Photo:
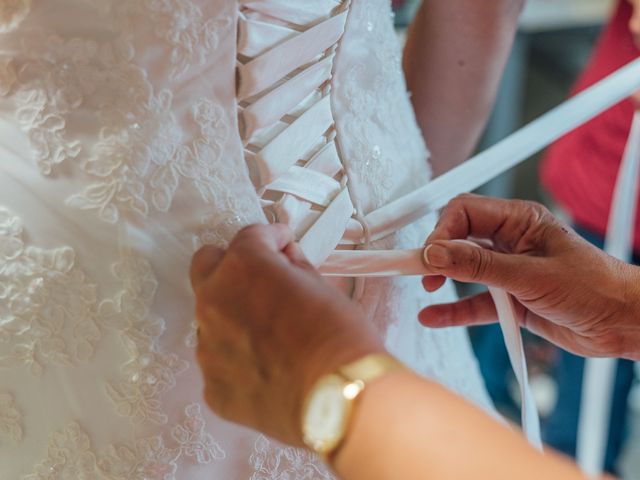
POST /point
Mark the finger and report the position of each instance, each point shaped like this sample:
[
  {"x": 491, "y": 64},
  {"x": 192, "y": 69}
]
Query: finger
[
  {"x": 433, "y": 283},
  {"x": 263, "y": 238},
  {"x": 204, "y": 263},
  {"x": 468, "y": 263},
  {"x": 454, "y": 221},
  {"x": 504, "y": 222},
  {"x": 296, "y": 256},
  {"x": 476, "y": 310}
]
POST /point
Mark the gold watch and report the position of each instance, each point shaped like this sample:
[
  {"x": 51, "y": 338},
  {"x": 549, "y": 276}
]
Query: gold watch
[{"x": 329, "y": 405}]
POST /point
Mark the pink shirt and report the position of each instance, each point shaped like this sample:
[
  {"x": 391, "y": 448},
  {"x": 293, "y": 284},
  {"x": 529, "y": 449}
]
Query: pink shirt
[{"x": 580, "y": 170}]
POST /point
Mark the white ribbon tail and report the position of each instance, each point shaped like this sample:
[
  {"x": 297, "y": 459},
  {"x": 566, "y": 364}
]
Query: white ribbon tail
[{"x": 599, "y": 374}]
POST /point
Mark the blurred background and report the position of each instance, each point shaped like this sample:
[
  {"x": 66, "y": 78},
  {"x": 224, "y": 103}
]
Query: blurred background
[{"x": 561, "y": 46}]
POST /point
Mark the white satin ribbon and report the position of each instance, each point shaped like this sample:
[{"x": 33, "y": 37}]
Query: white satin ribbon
[
  {"x": 307, "y": 184},
  {"x": 256, "y": 37},
  {"x": 270, "y": 67},
  {"x": 299, "y": 12},
  {"x": 284, "y": 99},
  {"x": 599, "y": 374},
  {"x": 294, "y": 143},
  {"x": 328, "y": 227},
  {"x": 374, "y": 263},
  {"x": 510, "y": 326}
]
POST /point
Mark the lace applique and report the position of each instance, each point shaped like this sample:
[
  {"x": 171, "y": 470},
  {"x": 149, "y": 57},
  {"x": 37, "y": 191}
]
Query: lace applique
[
  {"x": 274, "y": 463},
  {"x": 148, "y": 459},
  {"x": 48, "y": 307},
  {"x": 58, "y": 77},
  {"x": 70, "y": 456},
  {"x": 145, "y": 161},
  {"x": 150, "y": 372},
  {"x": 192, "y": 36},
  {"x": 193, "y": 440},
  {"x": 10, "y": 419},
  {"x": 373, "y": 87},
  {"x": 125, "y": 156},
  {"x": 12, "y": 12},
  {"x": 142, "y": 152},
  {"x": 219, "y": 228}
]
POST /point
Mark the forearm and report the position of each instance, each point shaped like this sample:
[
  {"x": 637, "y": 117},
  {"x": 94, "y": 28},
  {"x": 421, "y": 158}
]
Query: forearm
[
  {"x": 455, "y": 54},
  {"x": 408, "y": 427}
]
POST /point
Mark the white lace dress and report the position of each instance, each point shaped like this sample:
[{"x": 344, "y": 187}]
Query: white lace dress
[{"x": 131, "y": 132}]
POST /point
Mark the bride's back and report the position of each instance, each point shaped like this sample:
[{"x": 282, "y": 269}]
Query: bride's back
[{"x": 120, "y": 153}]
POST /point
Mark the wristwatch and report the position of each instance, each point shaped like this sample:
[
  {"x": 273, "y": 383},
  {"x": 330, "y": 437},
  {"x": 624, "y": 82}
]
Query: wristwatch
[{"x": 330, "y": 403}]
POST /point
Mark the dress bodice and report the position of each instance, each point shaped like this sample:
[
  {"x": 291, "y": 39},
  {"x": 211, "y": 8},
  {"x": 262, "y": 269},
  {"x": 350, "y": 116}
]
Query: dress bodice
[
  {"x": 135, "y": 103},
  {"x": 127, "y": 141}
]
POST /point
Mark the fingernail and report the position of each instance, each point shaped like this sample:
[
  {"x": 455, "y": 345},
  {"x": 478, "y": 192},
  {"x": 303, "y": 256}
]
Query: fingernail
[{"x": 437, "y": 256}]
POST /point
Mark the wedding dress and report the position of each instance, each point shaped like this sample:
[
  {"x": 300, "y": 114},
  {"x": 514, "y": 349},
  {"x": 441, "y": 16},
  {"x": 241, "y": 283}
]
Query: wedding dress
[{"x": 131, "y": 133}]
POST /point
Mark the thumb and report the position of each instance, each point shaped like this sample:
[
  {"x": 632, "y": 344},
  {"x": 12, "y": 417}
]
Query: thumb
[
  {"x": 296, "y": 256},
  {"x": 466, "y": 262}
]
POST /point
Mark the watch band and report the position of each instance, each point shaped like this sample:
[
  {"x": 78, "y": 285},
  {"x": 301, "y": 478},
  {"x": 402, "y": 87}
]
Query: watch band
[{"x": 370, "y": 367}]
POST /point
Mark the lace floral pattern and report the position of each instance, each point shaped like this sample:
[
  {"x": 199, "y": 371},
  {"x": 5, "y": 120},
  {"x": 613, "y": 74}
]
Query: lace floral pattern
[
  {"x": 153, "y": 148},
  {"x": 218, "y": 228},
  {"x": 57, "y": 77},
  {"x": 376, "y": 141},
  {"x": 142, "y": 152},
  {"x": 10, "y": 419},
  {"x": 51, "y": 87},
  {"x": 274, "y": 463},
  {"x": 70, "y": 455},
  {"x": 192, "y": 439},
  {"x": 48, "y": 306},
  {"x": 150, "y": 372},
  {"x": 149, "y": 458},
  {"x": 192, "y": 36}
]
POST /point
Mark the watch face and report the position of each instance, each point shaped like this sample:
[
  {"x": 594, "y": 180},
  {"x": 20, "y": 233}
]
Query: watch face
[{"x": 326, "y": 414}]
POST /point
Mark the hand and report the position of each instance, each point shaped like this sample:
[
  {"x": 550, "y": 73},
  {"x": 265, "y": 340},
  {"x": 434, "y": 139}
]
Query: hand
[
  {"x": 269, "y": 327},
  {"x": 567, "y": 290}
]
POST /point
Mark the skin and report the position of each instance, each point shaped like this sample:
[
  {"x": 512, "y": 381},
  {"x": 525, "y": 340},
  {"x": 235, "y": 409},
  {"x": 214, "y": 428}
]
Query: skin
[
  {"x": 408, "y": 427},
  {"x": 262, "y": 340},
  {"x": 270, "y": 327},
  {"x": 454, "y": 58},
  {"x": 567, "y": 290}
]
